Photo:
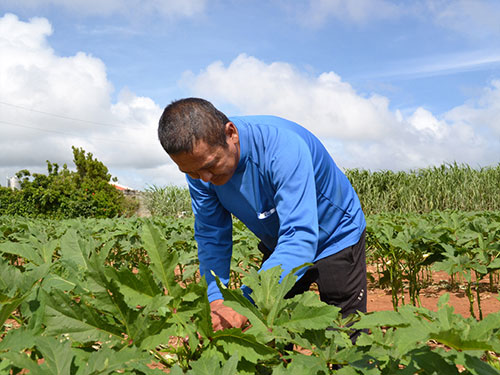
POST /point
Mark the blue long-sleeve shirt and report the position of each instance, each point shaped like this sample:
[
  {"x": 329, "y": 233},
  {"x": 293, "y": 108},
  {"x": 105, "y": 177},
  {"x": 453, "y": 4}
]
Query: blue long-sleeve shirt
[{"x": 287, "y": 190}]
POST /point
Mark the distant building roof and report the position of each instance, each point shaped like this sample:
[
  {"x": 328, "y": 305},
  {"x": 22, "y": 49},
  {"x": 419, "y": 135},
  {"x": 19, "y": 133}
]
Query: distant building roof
[{"x": 121, "y": 187}]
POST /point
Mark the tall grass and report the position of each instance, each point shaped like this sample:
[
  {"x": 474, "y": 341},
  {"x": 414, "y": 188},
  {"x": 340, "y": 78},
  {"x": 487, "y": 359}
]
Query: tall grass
[
  {"x": 169, "y": 200},
  {"x": 446, "y": 187}
]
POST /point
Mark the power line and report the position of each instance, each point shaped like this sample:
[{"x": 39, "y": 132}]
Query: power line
[
  {"x": 67, "y": 117},
  {"x": 59, "y": 132}
]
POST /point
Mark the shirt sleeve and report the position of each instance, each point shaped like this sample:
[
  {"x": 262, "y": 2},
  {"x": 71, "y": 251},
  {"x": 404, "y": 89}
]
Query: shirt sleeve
[
  {"x": 291, "y": 172},
  {"x": 213, "y": 234}
]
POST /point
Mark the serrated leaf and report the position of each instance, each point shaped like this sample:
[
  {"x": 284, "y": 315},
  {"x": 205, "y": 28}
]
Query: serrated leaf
[
  {"x": 163, "y": 260},
  {"x": 347, "y": 371},
  {"x": 81, "y": 322},
  {"x": 137, "y": 289},
  {"x": 268, "y": 292},
  {"x": 308, "y": 312},
  {"x": 6, "y": 308},
  {"x": 113, "y": 300},
  {"x": 211, "y": 366},
  {"x": 454, "y": 339},
  {"x": 15, "y": 287},
  {"x": 281, "y": 291},
  {"x": 239, "y": 303},
  {"x": 17, "y": 340},
  {"x": 57, "y": 282},
  {"x": 306, "y": 364},
  {"x": 161, "y": 338},
  {"x": 22, "y": 361},
  {"x": 107, "y": 361},
  {"x": 57, "y": 355},
  {"x": 24, "y": 250},
  {"x": 264, "y": 285},
  {"x": 280, "y": 370},
  {"x": 234, "y": 341},
  {"x": 381, "y": 318},
  {"x": 478, "y": 367},
  {"x": 483, "y": 329},
  {"x": 74, "y": 252},
  {"x": 230, "y": 367},
  {"x": 432, "y": 363}
]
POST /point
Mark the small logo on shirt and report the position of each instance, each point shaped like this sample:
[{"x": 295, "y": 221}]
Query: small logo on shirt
[{"x": 266, "y": 214}]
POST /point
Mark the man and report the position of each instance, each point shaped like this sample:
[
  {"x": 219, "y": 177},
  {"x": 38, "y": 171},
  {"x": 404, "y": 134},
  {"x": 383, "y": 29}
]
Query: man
[{"x": 279, "y": 180}]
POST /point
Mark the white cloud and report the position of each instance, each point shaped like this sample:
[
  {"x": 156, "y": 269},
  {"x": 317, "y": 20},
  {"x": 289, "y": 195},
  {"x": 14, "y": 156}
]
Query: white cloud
[
  {"x": 482, "y": 113},
  {"x": 439, "y": 64},
  {"x": 357, "y": 11},
  {"x": 49, "y": 103},
  {"x": 325, "y": 103},
  {"x": 361, "y": 130},
  {"x": 132, "y": 8},
  {"x": 473, "y": 17}
]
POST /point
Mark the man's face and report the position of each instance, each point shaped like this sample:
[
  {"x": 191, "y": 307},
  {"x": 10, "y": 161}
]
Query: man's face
[{"x": 213, "y": 164}]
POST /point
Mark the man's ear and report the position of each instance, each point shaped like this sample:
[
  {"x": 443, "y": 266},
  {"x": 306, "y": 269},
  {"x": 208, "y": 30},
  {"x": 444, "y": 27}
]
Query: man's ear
[{"x": 232, "y": 133}]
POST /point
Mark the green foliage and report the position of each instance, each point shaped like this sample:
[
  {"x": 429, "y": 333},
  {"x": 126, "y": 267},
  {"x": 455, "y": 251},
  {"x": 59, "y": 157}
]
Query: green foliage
[
  {"x": 407, "y": 246},
  {"x": 169, "y": 200},
  {"x": 62, "y": 193},
  {"x": 446, "y": 187},
  {"x": 101, "y": 296}
]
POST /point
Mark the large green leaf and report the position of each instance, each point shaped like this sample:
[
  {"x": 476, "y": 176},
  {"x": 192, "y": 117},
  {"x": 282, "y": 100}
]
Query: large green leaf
[
  {"x": 476, "y": 366},
  {"x": 234, "y": 341},
  {"x": 108, "y": 361},
  {"x": 135, "y": 323},
  {"x": 269, "y": 290},
  {"x": 21, "y": 360},
  {"x": 24, "y": 250},
  {"x": 163, "y": 258},
  {"x": 306, "y": 364},
  {"x": 137, "y": 288},
  {"x": 81, "y": 321},
  {"x": 431, "y": 362},
  {"x": 212, "y": 366},
  {"x": 16, "y": 286},
  {"x": 308, "y": 312},
  {"x": 17, "y": 340},
  {"x": 75, "y": 251},
  {"x": 237, "y": 301},
  {"x": 58, "y": 355}
]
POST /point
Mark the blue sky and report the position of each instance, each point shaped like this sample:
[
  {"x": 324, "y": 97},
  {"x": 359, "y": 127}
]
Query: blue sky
[{"x": 384, "y": 84}]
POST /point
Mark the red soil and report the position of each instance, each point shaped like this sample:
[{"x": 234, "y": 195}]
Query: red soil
[{"x": 380, "y": 299}]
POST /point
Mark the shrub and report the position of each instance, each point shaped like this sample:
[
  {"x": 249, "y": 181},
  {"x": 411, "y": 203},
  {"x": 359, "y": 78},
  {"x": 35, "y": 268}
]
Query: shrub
[{"x": 62, "y": 193}]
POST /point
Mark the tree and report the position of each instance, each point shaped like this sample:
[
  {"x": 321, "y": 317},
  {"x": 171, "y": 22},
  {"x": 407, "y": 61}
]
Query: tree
[{"x": 63, "y": 193}]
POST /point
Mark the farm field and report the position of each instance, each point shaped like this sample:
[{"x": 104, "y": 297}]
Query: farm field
[
  {"x": 380, "y": 299},
  {"x": 99, "y": 296}
]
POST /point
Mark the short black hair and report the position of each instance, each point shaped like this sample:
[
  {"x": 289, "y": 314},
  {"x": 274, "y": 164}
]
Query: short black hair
[{"x": 188, "y": 120}]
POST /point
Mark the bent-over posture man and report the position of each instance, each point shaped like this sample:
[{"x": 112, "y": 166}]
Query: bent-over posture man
[{"x": 279, "y": 180}]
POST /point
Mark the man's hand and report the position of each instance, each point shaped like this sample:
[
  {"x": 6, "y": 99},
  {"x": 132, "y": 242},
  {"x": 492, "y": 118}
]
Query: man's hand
[{"x": 225, "y": 317}]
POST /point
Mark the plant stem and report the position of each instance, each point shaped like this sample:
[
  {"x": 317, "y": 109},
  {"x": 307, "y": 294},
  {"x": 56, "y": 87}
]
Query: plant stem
[
  {"x": 471, "y": 299},
  {"x": 478, "y": 296}
]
